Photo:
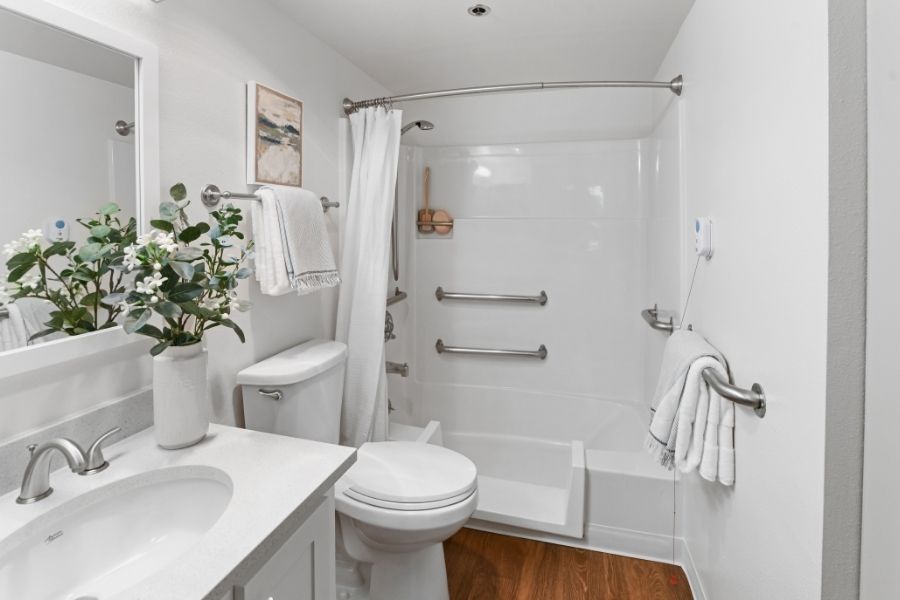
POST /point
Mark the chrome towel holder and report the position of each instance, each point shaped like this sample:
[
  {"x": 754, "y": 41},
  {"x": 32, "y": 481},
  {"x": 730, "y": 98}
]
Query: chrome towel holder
[
  {"x": 754, "y": 398},
  {"x": 211, "y": 195}
]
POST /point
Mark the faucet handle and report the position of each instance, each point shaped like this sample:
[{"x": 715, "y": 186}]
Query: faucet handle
[{"x": 94, "y": 458}]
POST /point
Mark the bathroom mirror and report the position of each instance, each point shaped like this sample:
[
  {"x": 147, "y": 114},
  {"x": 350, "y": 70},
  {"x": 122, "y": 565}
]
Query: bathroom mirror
[{"x": 78, "y": 116}]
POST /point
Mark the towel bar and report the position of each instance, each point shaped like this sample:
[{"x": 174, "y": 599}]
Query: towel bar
[
  {"x": 651, "y": 315},
  {"x": 397, "y": 297},
  {"x": 441, "y": 295},
  {"x": 540, "y": 353},
  {"x": 211, "y": 195}
]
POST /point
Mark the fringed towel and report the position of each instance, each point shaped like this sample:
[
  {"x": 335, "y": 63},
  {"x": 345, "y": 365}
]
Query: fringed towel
[
  {"x": 292, "y": 247},
  {"x": 692, "y": 426}
]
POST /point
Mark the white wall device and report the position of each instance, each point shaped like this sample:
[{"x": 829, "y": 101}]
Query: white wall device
[
  {"x": 57, "y": 230},
  {"x": 703, "y": 237}
]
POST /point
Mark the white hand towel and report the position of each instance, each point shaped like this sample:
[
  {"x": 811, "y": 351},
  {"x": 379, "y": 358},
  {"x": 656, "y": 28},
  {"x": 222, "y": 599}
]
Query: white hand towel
[
  {"x": 691, "y": 425},
  {"x": 271, "y": 272},
  {"x": 293, "y": 251},
  {"x": 305, "y": 245}
]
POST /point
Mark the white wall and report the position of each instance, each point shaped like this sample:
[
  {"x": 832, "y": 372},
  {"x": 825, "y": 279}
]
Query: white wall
[
  {"x": 208, "y": 50},
  {"x": 756, "y": 161},
  {"x": 881, "y": 525},
  {"x": 57, "y": 128}
]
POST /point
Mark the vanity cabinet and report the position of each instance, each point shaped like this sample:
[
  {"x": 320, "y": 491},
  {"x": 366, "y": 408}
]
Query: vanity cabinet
[{"x": 303, "y": 568}]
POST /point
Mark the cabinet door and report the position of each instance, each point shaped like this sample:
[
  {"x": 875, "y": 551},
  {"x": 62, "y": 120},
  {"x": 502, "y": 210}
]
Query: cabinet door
[{"x": 303, "y": 568}]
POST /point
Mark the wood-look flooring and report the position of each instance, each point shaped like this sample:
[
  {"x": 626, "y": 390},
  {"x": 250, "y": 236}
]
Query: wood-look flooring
[{"x": 488, "y": 566}]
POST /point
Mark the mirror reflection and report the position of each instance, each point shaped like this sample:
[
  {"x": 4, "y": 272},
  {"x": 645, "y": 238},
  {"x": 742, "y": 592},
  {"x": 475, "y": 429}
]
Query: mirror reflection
[{"x": 68, "y": 170}]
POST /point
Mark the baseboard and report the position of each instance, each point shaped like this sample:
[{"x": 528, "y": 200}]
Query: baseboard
[{"x": 611, "y": 540}]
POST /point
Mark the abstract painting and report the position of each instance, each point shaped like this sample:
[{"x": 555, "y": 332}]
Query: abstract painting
[{"x": 274, "y": 137}]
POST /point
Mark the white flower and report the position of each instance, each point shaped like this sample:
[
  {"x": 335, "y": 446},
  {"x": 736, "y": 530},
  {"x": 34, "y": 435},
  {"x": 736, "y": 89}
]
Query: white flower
[
  {"x": 212, "y": 303},
  {"x": 29, "y": 239},
  {"x": 166, "y": 242},
  {"x": 157, "y": 266},
  {"x": 33, "y": 236},
  {"x": 130, "y": 260},
  {"x": 154, "y": 300},
  {"x": 146, "y": 238},
  {"x": 149, "y": 285},
  {"x": 30, "y": 282}
]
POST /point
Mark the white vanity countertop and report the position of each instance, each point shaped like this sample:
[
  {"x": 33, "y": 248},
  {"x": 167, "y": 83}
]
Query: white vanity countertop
[{"x": 273, "y": 477}]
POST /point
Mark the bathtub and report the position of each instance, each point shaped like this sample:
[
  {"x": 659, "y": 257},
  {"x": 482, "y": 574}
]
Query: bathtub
[{"x": 568, "y": 469}]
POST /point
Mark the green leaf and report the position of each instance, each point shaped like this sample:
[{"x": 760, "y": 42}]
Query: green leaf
[
  {"x": 183, "y": 269},
  {"x": 160, "y": 348},
  {"x": 185, "y": 292},
  {"x": 170, "y": 310},
  {"x": 109, "y": 209},
  {"x": 90, "y": 299},
  {"x": 16, "y": 274},
  {"x": 137, "y": 319},
  {"x": 41, "y": 334},
  {"x": 244, "y": 273},
  {"x": 188, "y": 254},
  {"x": 203, "y": 227},
  {"x": 150, "y": 331},
  {"x": 82, "y": 275},
  {"x": 168, "y": 211},
  {"x": 113, "y": 299},
  {"x": 100, "y": 231},
  {"x": 162, "y": 225},
  {"x": 178, "y": 192},
  {"x": 194, "y": 309},
  {"x": 189, "y": 234},
  {"x": 58, "y": 249},
  {"x": 20, "y": 260},
  {"x": 232, "y": 325},
  {"x": 91, "y": 252}
]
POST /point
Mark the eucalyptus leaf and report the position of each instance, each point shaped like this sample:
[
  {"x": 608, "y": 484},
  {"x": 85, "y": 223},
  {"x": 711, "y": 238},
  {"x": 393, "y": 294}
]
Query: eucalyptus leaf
[
  {"x": 160, "y": 347},
  {"x": 178, "y": 192},
  {"x": 109, "y": 209},
  {"x": 183, "y": 269},
  {"x": 188, "y": 254},
  {"x": 170, "y": 310},
  {"x": 91, "y": 252},
  {"x": 100, "y": 231},
  {"x": 189, "y": 234},
  {"x": 137, "y": 319},
  {"x": 168, "y": 211},
  {"x": 162, "y": 225},
  {"x": 244, "y": 273},
  {"x": 113, "y": 299}
]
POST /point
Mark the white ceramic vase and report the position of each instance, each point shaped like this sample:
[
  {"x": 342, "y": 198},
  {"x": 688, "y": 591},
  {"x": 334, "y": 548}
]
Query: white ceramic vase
[{"x": 180, "y": 399}]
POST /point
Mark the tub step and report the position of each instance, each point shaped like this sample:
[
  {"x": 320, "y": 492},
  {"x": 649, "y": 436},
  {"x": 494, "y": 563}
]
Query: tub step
[{"x": 528, "y": 505}]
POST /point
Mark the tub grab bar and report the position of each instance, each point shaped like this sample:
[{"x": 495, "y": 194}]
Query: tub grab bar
[
  {"x": 441, "y": 295},
  {"x": 754, "y": 397},
  {"x": 540, "y": 353},
  {"x": 651, "y": 315}
]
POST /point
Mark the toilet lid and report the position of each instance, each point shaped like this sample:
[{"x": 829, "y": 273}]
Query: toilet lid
[{"x": 410, "y": 475}]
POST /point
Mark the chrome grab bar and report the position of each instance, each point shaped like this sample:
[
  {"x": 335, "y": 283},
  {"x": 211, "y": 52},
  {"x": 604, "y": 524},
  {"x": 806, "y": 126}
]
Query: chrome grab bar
[
  {"x": 441, "y": 295},
  {"x": 651, "y": 315},
  {"x": 754, "y": 397},
  {"x": 397, "y": 297},
  {"x": 540, "y": 353},
  {"x": 396, "y": 368}
]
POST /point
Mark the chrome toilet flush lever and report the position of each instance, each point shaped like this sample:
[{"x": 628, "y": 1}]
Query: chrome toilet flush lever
[{"x": 94, "y": 459}]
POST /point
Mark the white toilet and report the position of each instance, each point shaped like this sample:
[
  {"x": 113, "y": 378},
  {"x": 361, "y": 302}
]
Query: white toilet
[{"x": 398, "y": 503}]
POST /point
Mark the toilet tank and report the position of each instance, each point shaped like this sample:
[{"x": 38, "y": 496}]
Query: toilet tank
[{"x": 297, "y": 392}]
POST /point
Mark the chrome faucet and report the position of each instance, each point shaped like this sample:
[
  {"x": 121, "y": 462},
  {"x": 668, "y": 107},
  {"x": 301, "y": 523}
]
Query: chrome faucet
[{"x": 36, "y": 481}]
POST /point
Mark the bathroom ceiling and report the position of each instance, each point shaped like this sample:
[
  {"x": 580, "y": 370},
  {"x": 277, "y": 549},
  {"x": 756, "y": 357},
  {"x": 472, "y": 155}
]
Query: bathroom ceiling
[{"x": 416, "y": 45}]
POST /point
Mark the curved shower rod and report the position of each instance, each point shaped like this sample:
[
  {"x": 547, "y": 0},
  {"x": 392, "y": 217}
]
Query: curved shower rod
[{"x": 675, "y": 86}]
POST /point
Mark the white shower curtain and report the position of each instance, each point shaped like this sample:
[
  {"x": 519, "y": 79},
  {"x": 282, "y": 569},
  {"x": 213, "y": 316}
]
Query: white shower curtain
[{"x": 364, "y": 271}]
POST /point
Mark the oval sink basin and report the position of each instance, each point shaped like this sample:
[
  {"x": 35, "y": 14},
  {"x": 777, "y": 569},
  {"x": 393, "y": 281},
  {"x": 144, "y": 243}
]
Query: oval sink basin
[{"x": 105, "y": 541}]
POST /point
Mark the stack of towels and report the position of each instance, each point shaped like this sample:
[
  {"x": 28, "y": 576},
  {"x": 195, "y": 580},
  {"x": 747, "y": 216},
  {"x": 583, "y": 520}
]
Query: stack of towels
[
  {"x": 692, "y": 427},
  {"x": 292, "y": 249}
]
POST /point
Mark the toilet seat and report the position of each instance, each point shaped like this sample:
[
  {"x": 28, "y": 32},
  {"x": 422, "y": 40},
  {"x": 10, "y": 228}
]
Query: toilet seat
[{"x": 409, "y": 476}]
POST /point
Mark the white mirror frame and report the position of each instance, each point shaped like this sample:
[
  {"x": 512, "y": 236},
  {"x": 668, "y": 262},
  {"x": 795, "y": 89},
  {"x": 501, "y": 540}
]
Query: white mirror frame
[{"x": 147, "y": 169}]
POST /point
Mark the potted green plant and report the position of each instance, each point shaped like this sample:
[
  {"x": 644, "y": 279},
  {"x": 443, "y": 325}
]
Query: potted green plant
[
  {"x": 185, "y": 279},
  {"x": 74, "y": 280}
]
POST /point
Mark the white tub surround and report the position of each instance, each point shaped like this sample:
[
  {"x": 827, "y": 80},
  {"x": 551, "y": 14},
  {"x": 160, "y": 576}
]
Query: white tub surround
[{"x": 276, "y": 484}]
